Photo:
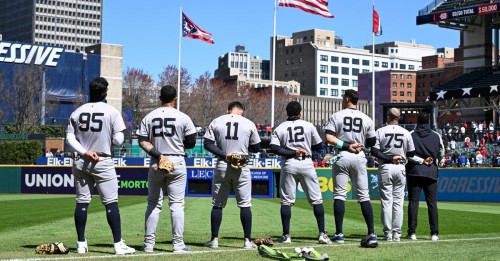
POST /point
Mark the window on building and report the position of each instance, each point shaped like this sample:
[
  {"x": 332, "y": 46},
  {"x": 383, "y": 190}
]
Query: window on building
[
  {"x": 334, "y": 69},
  {"x": 409, "y": 85},
  {"x": 392, "y": 65},
  {"x": 323, "y": 80},
  {"x": 354, "y": 83},
  {"x": 394, "y": 93},
  {"x": 385, "y": 65},
  {"x": 402, "y": 101},
  {"x": 345, "y": 71},
  {"x": 342, "y": 93},
  {"x": 345, "y": 60},
  {"x": 424, "y": 93},
  {"x": 300, "y": 59},
  {"x": 401, "y": 93},
  {"x": 355, "y": 61},
  {"x": 334, "y": 59},
  {"x": 376, "y": 63},
  {"x": 411, "y": 67},
  {"x": 355, "y": 71},
  {"x": 394, "y": 76},
  {"x": 394, "y": 101},
  {"x": 402, "y": 66},
  {"x": 365, "y": 70},
  {"x": 401, "y": 85},
  {"x": 334, "y": 92},
  {"x": 323, "y": 68},
  {"x": 402, "y": 76},
  {"x": 394, "y": 85},
  {"x": 323, "y": 58},
  {"x": 334, "y": 81},
  {"x": 366, "y": 62},
  {"x": 345, "y": 82},
  {"x": 408, "y": 101},
  {"x": 323, "y": 91},
  {"x": 408, "y": 94},
  {"x": 409, "y": 77}
]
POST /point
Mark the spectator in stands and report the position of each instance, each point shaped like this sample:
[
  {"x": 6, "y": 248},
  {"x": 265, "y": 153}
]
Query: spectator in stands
[
  {"x": 269, "y": 129},
  {"x": 49, "y": 154},
  {"x": 58, "y": 154},
  {"x": 453, "y": 144},
  {"x": 467, "y": 142},
  {"x": 491, "y": 127},
  {"x": 480, "y": 127},
  {"x": 498, "y": 138},
  {"x": 496, "y": 159},
  {"x": 462, "y": 131},
  {"x": 483, "y": 152},
  {"x": 323, "y": 163},
  {"x": 462, "y": 161},
  {"x": 479, "y": 159},
  {"x": 315, "y": 162}
]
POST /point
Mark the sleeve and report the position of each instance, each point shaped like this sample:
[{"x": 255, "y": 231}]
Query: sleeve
[
  {"x": 315, "y": 138},
  {"x": 143, "y": 128},
  {"x": 331, "y": 126},
  {"x": 377, "y": 142},
  {"x": 189, "y": 127},
  {"x": 370, "y": 129},
  {"x": 118, "y": 123},
  {"x": 71, "y": 125},
  {"x": 275, "y": 138},
  {"x": 209, "y": 134},
  {"x": 254, "y": 136},
  {"x": 409, "y": 142}
]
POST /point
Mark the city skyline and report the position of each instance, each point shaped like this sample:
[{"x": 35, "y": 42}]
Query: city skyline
[{"x": 150, "y": 33}]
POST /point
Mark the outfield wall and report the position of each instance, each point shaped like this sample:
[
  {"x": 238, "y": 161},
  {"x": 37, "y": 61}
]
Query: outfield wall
[{"x": 467, "y": 185}]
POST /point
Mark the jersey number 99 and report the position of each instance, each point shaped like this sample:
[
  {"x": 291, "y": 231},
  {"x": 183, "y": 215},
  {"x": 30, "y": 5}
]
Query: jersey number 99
[
  {"x": 163, "y": 127},
  {"x": 353, "y": 124}
]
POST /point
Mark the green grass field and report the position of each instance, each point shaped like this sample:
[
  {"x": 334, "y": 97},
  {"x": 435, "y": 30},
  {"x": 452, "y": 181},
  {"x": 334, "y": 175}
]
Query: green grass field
[{"x": 467, "y": 231}]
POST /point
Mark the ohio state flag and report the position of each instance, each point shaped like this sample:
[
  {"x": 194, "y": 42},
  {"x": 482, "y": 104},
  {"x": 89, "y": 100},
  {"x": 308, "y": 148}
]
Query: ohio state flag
[
  {"x": 191, "y": 30},
  {"x": 377, "y": 26}
]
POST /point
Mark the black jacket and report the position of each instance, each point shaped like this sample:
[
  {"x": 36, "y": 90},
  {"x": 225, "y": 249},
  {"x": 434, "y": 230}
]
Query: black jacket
[{"x": 427, "y": 144}]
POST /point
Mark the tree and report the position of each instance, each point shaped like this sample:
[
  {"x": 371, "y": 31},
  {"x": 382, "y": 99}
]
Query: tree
[
  {"x": 22, "y": 98},
  {"x": 258, "y": 104},
  {"x": 139, "y": 94},
  {"x": 208, "y": 99},
  {"x": 169, "y": 77}
]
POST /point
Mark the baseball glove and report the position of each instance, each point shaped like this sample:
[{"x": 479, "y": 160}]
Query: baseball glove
[
  {"x": 238, "y": 161},
  {"x": 365, "y": 242},
  {"x": 165, "y": 166},
  {"x": 264, "y": 241},
  {"x": 52, "y": 248}
]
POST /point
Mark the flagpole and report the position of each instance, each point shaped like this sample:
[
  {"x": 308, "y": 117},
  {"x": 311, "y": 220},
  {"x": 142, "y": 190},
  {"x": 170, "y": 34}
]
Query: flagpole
[
  {"x": 179, "y": 62},
  {"x": 373, "y": 68},
  {"x": 273, "y": 69}
]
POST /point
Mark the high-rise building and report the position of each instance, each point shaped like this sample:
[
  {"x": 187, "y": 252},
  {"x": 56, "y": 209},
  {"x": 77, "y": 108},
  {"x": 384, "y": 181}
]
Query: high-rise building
[
  {"x": 73, "y": 24},
  {"x": 325, "y": 68}
]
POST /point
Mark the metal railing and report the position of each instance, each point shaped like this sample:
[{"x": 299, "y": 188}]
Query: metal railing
[{"x": 430, "y": 7}]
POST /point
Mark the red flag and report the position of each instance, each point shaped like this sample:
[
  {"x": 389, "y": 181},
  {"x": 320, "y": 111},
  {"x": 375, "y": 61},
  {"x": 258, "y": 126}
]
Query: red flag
[
  {"x": 191, "y": 30},
  {"x": 377, "y": 26},
  {"x": 319, "y": 7}
]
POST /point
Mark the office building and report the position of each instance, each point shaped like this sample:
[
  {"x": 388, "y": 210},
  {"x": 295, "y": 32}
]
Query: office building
[{"x": 72, "y": 24}]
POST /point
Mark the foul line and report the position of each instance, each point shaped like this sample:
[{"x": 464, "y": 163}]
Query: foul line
[{"x": 241, "y": 249}]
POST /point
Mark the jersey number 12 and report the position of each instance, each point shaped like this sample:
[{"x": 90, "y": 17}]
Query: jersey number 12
[{"x": 297, "y": 135}]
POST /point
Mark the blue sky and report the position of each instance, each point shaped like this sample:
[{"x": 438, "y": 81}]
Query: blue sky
[{"x": 149, "y": 29}]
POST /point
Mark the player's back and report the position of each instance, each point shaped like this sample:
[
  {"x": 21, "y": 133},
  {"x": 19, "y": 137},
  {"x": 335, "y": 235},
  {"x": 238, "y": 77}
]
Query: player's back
[
  {"x": 394, "y": 140},
  {"x": 351, "y": 126},
  {"x": 233, "y": 133},
  {"x": 166, "y": 128},
  {"x": 94, "y": 124},
  {"x": 296, "y": 134}
]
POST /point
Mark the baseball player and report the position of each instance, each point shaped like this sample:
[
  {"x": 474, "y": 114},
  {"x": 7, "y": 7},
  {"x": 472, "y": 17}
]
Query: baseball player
[
  {"x": 91, "y": 131},
  {"x": 393, "y": 147},
  {"x": 166, "y": 132},
  {"x": 294, "y": 139},
  {"x": 349, "y": 130},
  {"x": 226, "y": 135}
]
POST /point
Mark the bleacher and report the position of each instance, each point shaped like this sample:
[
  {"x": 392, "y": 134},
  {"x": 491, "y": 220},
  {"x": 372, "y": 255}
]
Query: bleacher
[{"x": 468, "y": 79}]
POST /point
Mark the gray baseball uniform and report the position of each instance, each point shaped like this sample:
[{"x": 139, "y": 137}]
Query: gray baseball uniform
[
  {"x": 393, "y": 140},
  {"x": 94, "y": 125},
  {"x": 166, "y": 128},
  {"x": 232, "y": 134},
  {"x": 353, "y": 126},
  {"x": 294, "y": 135}
]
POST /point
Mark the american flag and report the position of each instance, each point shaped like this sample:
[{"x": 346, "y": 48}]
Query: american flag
[
  {"x": 319, "y": 7},
  {"x": 191, "y": 30}
]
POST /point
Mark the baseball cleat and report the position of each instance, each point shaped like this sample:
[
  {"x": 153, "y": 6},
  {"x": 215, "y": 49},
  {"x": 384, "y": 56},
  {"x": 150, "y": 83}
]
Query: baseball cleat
[
  {"x": 81, "y": 247},
  {"x": 412, "y": 237},
  {"x": 285, "y": 239},
  {"x": 338, "y": 238},
  {"x": 373, "y": 239},
  {"x": 388, "y": 237},
  {"x": 434, "y": 238},
  {"x": 146, "y": 248},
  {"x": 214, "y": 243},
  {"x": 249, "y": 244},
  {"x": 324, "y": 239},
  {"x": 183, "y": 250},
  {"x": 122, "y": 249}
]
